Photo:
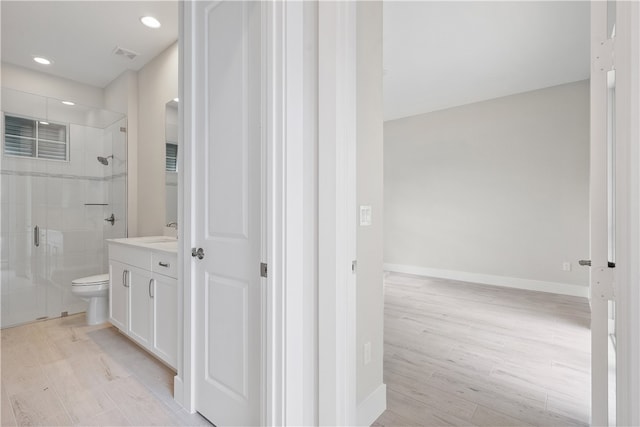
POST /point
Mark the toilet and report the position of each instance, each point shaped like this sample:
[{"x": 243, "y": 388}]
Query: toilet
[{"x": 95, "y": 290}]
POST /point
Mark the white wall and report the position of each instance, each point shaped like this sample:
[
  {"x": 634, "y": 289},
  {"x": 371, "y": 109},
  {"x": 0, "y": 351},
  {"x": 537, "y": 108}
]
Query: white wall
[
  {"x": 369, "y": 186},
  {"x": 26, "y": 80},
  {"x": 157, "y": 85},
  {"x": 497, "y": 189}
]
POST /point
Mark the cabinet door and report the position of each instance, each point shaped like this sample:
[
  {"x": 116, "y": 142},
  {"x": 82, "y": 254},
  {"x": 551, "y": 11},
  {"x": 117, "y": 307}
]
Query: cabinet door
[
  {"x": 119, "y": 294},
  {"x": 165, "y": 318},
  {"x": 140, "y": 291}
]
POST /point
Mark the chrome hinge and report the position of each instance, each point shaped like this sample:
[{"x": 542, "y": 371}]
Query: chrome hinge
[
  {"x": 354, "y": 266},
  {"x": 603, "y": 285},
  {"x": 263, "y": 269}
]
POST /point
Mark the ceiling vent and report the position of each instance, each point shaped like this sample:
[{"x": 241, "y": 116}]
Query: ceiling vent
[{"x": 126, "y": 53}]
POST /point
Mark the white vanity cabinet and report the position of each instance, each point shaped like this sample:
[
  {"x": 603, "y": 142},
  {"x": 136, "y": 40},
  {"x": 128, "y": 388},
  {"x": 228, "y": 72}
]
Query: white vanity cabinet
[
  {"x": 143, "y": 295},
  {"x": 118, "y": 294},
  {"x": 140, "y": 326},
  {"x": 164, "y": 318}
]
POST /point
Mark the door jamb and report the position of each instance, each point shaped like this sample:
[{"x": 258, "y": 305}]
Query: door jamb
[
  {"x": 627, "y": 269},
  {"x": 337, "y": 213}
]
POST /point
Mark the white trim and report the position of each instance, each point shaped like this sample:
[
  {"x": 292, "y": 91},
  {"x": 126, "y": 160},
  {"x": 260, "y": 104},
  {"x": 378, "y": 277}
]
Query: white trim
[
  {"x": 178, "y": 389},
  {"x": 291, "y": 366},
  {"x": 488, "y": 279},
  {"x": 373, "y": 406},
  {"x": 184, "y": 388},
  {"x": 627, "y": 271},
  {"x": 336, "y": 208},
  {"x": 273, "y": 411}
]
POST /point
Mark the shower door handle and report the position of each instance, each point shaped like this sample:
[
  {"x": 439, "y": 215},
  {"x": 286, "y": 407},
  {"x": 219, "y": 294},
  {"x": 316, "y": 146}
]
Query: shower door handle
[{"x": 36, "y": 236}]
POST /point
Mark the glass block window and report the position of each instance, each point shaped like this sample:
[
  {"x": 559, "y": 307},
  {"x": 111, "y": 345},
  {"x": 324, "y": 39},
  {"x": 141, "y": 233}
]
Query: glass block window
[{"x": 27, "y": 137}]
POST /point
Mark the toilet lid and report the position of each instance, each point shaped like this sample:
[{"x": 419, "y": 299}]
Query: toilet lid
[{"x": 92, "y": 280}]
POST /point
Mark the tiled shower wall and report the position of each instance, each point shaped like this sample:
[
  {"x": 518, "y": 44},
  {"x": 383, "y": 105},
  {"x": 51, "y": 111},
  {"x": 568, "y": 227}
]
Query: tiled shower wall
[{"x": 68, "y": 201}]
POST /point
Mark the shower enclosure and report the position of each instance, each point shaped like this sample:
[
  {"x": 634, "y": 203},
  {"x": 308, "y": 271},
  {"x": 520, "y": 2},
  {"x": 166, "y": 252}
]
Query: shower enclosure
[{"x": 59, "y": 201}]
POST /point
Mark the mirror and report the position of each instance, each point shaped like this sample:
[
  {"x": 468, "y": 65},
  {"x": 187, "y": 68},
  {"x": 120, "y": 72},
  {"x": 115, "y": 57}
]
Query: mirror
[{"x": 171, "y": 161}]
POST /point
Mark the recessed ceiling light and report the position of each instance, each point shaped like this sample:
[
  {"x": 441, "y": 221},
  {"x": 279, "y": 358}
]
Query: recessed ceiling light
[
  {"x": 41, "y": 60},
  {"x": 176, "y": 99},
  {"x": 150, "y": 21},
  {"x": 68, "y": 103}
]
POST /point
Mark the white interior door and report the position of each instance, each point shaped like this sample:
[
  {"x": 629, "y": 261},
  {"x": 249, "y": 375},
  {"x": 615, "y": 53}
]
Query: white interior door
[
  {"x": 227, "y": 70},
  {"x": 602, "y": 212}
]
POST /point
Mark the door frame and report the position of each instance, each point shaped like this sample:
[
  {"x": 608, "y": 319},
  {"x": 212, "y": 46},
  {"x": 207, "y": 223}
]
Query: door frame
[
  {"x": 337, "y": 213},
  {"x": 289, "y": 217},
  {"x": 623, "y": 53},
  {"x": 627, "y": 271}
]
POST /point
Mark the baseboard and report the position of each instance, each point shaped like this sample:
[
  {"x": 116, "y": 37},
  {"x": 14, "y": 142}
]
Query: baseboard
[
  {"x": 487, "y": 279},
  {"x": 373, "y": 406},
  {"x": 178, "y": 390}
]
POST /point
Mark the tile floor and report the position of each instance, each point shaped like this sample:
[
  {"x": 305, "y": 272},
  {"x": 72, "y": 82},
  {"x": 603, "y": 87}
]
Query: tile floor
[
  {"x": 455, "y": 354},
  {"x": 464, "y": 354},
  {"x": 61, "y": 372}
]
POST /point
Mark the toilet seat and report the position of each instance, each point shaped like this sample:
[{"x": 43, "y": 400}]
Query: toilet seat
[
  {"x": 98, "y": 279},
  {"x": 89, "y": 290}
]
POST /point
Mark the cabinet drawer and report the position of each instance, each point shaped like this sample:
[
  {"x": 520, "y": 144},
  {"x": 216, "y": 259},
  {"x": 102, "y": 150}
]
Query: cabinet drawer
[
  {"x": 130, "y": 255},
  {"x": 164, "y": 263}
]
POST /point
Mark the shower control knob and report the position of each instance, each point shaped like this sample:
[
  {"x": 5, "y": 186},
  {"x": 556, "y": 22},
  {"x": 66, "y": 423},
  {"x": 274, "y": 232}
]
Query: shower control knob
[
  {"x": 197, "y": 253},
  {"x": 111, "y": 219}
]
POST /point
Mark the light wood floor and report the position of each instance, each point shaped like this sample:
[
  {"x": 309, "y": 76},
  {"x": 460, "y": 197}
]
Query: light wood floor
[
  {"x": 465, "y": 354},
  {"x": 61, "y": 372}
]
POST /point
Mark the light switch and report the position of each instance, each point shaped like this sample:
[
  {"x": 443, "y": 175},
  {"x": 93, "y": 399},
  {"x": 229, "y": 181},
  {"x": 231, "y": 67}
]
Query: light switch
[{"x": 365, "y": 215}]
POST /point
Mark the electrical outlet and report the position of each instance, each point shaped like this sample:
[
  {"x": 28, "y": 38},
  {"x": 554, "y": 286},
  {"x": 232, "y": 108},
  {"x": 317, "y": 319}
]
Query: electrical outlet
[
  {"x": 566, "y": 266},
  {"x": 367, "y": 353}
]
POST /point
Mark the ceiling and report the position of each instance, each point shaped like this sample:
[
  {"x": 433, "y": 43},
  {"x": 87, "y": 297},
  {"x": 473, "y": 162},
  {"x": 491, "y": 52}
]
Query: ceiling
[
  {"x": 81, "y": 36},
  {"x": 437, "y": 54},
  {"x": 443, "y": 54}
]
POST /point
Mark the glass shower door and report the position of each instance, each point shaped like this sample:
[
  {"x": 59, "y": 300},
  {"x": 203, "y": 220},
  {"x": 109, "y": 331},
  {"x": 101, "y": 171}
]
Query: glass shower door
[
  {"x": 24, "y": 293},
  {"x": 55, "y": 196}
]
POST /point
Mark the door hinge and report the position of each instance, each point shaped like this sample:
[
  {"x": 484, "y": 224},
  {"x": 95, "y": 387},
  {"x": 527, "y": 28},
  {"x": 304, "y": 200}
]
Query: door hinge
[
  {"x": 604, "y": 59},
  {"x": 263, "y": 269},
  {"x": 354, "y": 266},
  {"x": 123, "y": 129},
  {"x": 603, "y": 285}
]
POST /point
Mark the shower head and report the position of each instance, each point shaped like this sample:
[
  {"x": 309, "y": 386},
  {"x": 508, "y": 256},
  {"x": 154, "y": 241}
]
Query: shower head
[{"x": 105, "y": 160}]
